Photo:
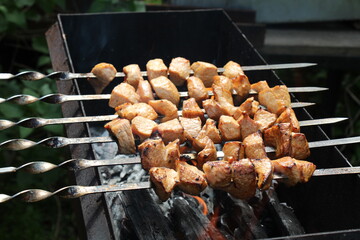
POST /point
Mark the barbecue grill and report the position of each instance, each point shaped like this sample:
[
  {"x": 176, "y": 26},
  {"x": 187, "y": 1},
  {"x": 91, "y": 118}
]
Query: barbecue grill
[{"x": 325, "y": 207}]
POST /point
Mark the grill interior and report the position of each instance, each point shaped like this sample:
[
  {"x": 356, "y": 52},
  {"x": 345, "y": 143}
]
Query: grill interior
[{"x": 78, "y": 42}]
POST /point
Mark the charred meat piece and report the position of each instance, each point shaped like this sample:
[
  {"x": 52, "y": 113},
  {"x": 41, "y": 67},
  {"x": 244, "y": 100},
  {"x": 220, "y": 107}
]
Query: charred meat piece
[
  {"x": 165, "y": 108},
  {"x": 179, "y": 70},
  {"x": 233, "y": 151},
  {"x": 192, "y": 110},
  {"x": 213, "y": 109},
  {"x": 164, "y": 180},
  {"x": 132, "y": 75},
  {"x": 123, "y": 93},
  {"x": 247, "y": 126},
  {"x": 170, "y": 131},
  {"x": 296, "y": 171},
  {"x": 142, "y": 127},
  {"x": 259, "y": 86},
  {"x": 104, "y": 73},
  {"x": 205, "y": 71},
  {"x": 249, "y": 106},
  {"x": 165, "y": 89},
  {"x": 208, "y": 130},
  {"x": 264, "y": 171},
  {"x": 288, "y": 116},
  {"x": 129, "y": 111},
  {"x": 275, "y": 99},
  {"x": 156, "y": 68},
  {"x": 144, "y": 91},
  {"x": 192, "y": 180},
  {"x": 240, "y": 82},
  {"x": 232, "y": 70},
  {"x": 218, "y": 174},
  {"x": 279, "y": 137},
  {"x": 121, "y": 129},
  {"x": 192, "y": 127},
  {"x": 244, "y": 179},
  {"x": 224, "y": 82},
  {"x": 254, "y": 146},
  {"x": 299, "y": 147},
  {"x": 224, "y": 98},
  {"x": 264, "y": 118},
  {"x": 209, "y": 153},
  {"x": 196, "y": 89},
  {"x": 229, "y": 128}
]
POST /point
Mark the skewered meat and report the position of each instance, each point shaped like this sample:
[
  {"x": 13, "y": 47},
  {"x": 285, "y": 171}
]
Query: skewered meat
[
  {"x": 224, "y": 98},
  {"x": 264, "y": 171},
  {"x": 288, "y": 116},
  {"x": 192, "y": 110},
  {"x": 213, "y": 109},
  {"x": 154, "y": 153},
  {"x": 259, "y": 86},
  {"x": 123, "y": 93},
  {"x": 244, "y": 179},
  {"x": 122, "y": 130},
  {"x": 249, "y": 106},
  {"x": 179, "y": 70},
  {"x": 192, "y": 180},
  {"x": 129, "y": 111},
  {"x": 229, "y": 128},
  {"x": 275, "y": 99},
  {"x": 205, "y": 71},
  {"x": 299, "y": 147},
  {"x": 145, "y": 92},
  {"x": 232, "y": 70},
  {"x": 208, "y": 130},
  {"x": 165, "y": 108},
  {"x": 254, "y": 146},
  {"x": 247, "y": 126},
  {"x": 264, "y": 118},
  {"x": 296, "y": 171},
  {"x": 165, "y": 89},
  {"x": 104, "y": 73},
  {"x": 170, "y": 131},
  {"x": 196, "y": 89},
  {"x": 207, "y": 154},
  {"x": 164, "y": 180},
  {"x": 233, "y": 151},
  {"x": 142, "y": 127},
  {"x": 156, "y": 68},
  {"x": 132, "y": 75},
  {"x": 240, "y": 82},
  {"x": 192, "y": 127},
  {"x": 218, "y": 174},
  {"x": 224, "y": 82}
]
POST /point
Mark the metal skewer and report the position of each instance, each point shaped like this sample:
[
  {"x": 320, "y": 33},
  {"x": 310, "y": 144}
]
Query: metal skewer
[{"x": 64, "y": 76}]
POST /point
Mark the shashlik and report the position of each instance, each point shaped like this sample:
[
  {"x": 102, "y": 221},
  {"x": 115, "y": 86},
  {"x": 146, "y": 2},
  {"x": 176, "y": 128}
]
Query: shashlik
[{"x": 104, "y": 73}]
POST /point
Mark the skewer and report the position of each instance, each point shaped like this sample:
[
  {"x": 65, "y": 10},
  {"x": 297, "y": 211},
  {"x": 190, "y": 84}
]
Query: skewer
[
  {"x": 64, "y": 76},
  {"x": 35, "y": 195},
  {"x": 36, "y": 122}
]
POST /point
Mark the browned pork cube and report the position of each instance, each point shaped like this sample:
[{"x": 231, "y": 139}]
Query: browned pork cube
[
  {"x": 259, "y": 86},
  {"x": 123, "y": 93},
  {"x": 179, "y": 70},
  {"x": 170, "y": 131},
  {"x": 232, "y": 70},
  {"x": 264, "y": 118},
  {"x": 132, "y": 75},
  {"x": 121, "y": 129},
  {"x": 192, "y": 110},
  {"x": 275, "y": 99},
  {"x": 209, "y": 153},
  {"x": 279, "y": 137},
  {"x": 144, "y": 91},
  {"x": 233, "y": 151},
  {"x": 250, "y": 106},
  {"x": 192, "y": 180},
  {"x": 296, "y": 171},
  {"x": 254, "y": 146},
  {"x": 165, "y": 89},
  {"x": 288, "y": 116},
  {"x": 248, "y": 126},
  {"x": 192, "y": 127},
  {"x": 299, "y": 147},
  {"x": 244, "y": 179},
  {"x": 224, "y": 82},
  {"x": 264, "y": 171},
  {"x": 229, "y": 128},
  {"x": 196, "y": 89},
  {"x": 205, "y": 71},
  {"x": 104, "y": 73},
  {"x": 165, "y": 108},
  {"x": 129, "y": 111},
  {"x": 142, "y": 127},
  {"x": 224, "y": 98},
  {"x": 208, "y": 130},
  {"x": 213, "y": 109},
  {"x": 164, "y": 180},
  {"x": 218, "y": 174},
  {"x": 241, "y": 86},
  {"x": 156, "y": 68}
]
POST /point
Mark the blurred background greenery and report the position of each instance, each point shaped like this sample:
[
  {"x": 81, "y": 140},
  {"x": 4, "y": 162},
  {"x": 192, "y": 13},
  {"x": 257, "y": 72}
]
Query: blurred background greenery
[{"x": 23, "y": 47}]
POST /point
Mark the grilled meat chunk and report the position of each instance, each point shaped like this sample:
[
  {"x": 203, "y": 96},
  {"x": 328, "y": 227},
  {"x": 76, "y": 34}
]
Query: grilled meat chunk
[
  {"x": 224, "y": 98},
  {"x": 233, "y": 151},
  {"x": 170, "y": 130},
  {"x": 164, "y": 180},
  {"x": 240, "y": 82},
  {"x": 213, "y": 109},
  {"x": 299, "y": 147},
  {"x": 121, "y": 129},
  {"x": 179, "y": 70},
  {"x": 192, "y": 110},
  {"x": 205, "y": 71},
  {"x": 264, "y": 118},
  {"x": 275, "y": 99},
  {"x": 208, "y": 130},
  {"x": 123, "y": 93},
  {"x": 165, "y": 89},
  {"x": 142, "y": 127},
  {"x": 288, "y": 116},
  {"x": 249, "y": 106},
  {"x": 247, "y": 126},
  {"x": 259, "y": 86},
  {"x": 156, "y": 68},
  {"x": 129, "y": 111},
  {"x": 192, "y": 127},
  {"x": 224, "y": 82},
  {"x": 196, "y": 89},
  {"x": 279, "y": 137},
  {"x": 218, "y": 174},
  {"x": 165, "y": 108},
  {"x": 104, "y": 73},
  {"x": 144, "y": 91},
  {"x": 209, "y": 153},
  {"x": 232, "y": 70},
  {"x": 244, "y": 179},
  {"x": 296, "y": 171},
  {"x": 229, "y": 128},
  {"x": 132, "y": 75},
  {"x": 254, "y": 146},
  {"x": 192, "y": 180},
  {"x": 264, "y": 171}
]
